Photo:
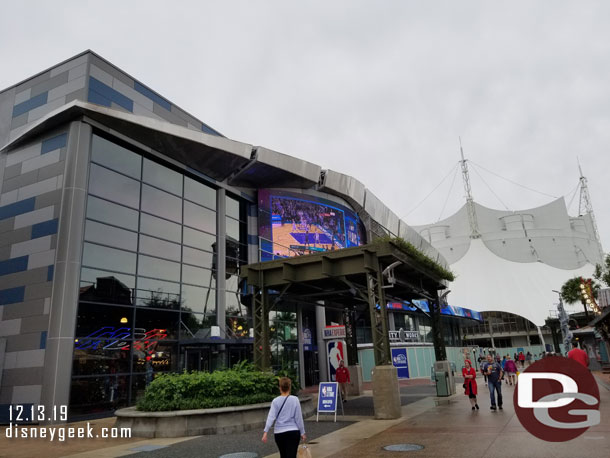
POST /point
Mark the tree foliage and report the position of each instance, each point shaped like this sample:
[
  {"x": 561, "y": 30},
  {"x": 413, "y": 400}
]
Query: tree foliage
[
  {"x": 571, "y": 291},
  {"x": 602, "y": 272},
  {"x": 420, "y": 257}
]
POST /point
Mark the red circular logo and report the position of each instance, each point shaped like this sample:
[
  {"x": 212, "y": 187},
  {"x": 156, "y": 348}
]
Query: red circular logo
[{"x": 557, "y": 399}]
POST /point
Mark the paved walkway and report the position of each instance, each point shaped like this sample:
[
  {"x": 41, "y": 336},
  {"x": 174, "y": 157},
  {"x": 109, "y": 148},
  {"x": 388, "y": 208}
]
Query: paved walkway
[
  {"x": 450, "y": 429},
  {"x": 446, "y": 427}
]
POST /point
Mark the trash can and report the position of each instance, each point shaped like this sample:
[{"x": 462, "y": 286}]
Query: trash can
[{"x": 442, "y": 383}]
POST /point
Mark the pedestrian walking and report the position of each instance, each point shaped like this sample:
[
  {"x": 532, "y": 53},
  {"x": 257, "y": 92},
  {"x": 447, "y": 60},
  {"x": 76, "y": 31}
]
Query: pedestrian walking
[
  {"x": 521, "y": 359},
  {"x": 578, "y": 355},
  {"x": 503, "y": 362},
  {"x": 483, "y": 373},
  {"x": 286, "y": 412},
  {"x": 494, "y": 375},
  {"x": 528, "y": 358},
  {"x": 343, "y": 378},
  {"x": 510, "y": 368},
  {"x": 470, "y": 383}
]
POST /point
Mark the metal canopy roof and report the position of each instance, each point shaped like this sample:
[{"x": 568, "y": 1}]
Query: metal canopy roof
[
  {"x": 270, "y": 168},
  {"x": 368, "y": 273},
  {"x": 335, "y": 276}
]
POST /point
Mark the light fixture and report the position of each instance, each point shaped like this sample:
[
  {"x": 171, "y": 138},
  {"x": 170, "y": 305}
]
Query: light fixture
[{"x": 124, "y": 320}]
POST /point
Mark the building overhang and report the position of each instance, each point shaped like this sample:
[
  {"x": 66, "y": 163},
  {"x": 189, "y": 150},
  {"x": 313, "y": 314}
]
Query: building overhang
[
  {"x": 269, "y": 168},
  {"x": 214, "y": 156}
]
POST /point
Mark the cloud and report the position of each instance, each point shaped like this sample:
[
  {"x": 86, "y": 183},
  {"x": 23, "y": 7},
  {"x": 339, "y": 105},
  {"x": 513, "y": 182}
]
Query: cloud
[{"x": 380, "y": 91}]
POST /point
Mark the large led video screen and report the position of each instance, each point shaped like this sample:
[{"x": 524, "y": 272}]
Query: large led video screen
[{"x": 293, "y": 224}]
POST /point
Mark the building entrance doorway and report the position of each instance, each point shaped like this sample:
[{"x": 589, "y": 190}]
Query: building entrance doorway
[
  {"x": 197, "y": 359},
  {"x": 238, "y": 353}
]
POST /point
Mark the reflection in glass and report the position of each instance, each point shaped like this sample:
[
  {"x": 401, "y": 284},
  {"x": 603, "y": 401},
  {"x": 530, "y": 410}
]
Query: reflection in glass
[
  {"x": 106, "y": 358},
  {"x": 198, "y": 300},
  {"x": 108, "y": 212},
  {"x": 108, "y": 289},
  {"x": 158, "y": 293},
  {"x": 160, "y": 248},
  {"x": 233, "y": 228},
  {"x": 195, "y": 325},
  {"x": 155, "y": 356},
  {"x": 158, "y": 268},
  {"x": 115, "y": 157},
  {"x": 198, "y": 239},
  {"x": 113, "y": 186},
  {"x": 161, "y": 203},
  {"x": 196, "y": 276},
  {"x": 90, "y": 276},
  {"x": 199, "y": 193},
  {"x": 164, "y": 320},
  {"x": 197, "y": 257},
  {"x": 162, "y": 177},
  {"x": 161, "y": 228},
  {"x": 199, "y": 217},
  {"x": 284, "y": 345},
  {"x": 232, "y": 209},
  {"x": 109, "y": 235},
  {"x": 109, "y": 258},
  {"x": 97, "y": 323},
  {"x": 91, "y": 395},
  {"x": 233, "y": 283}
]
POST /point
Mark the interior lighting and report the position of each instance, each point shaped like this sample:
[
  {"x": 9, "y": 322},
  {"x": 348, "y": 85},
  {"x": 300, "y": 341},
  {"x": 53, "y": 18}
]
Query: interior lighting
[{"x": 124, "y": 320}]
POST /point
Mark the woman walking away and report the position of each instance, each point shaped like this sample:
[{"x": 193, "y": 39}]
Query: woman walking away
[
  {"x": 470, "y": 383},
  {"x": 286, "y": 413},
  {"x": 511, "y": 369}
]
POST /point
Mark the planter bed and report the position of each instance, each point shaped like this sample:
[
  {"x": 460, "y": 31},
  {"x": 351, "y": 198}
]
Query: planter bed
[{"x": 180, "y": 423}]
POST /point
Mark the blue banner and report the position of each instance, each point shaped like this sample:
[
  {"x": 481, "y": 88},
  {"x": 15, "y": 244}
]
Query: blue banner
[
  {"x": 400, "y": 362},
  {"x": 327, "y": 397}
]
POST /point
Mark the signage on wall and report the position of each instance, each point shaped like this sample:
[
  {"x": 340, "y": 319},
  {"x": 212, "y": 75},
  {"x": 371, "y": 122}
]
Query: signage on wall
[
  {"x": 336, "y": 353},
  {"x": 400, "y": 362},
  {"x": 113, "y": 338},
  {"x": 307, "y": 339},
  {"x": 334, "y": 332}
]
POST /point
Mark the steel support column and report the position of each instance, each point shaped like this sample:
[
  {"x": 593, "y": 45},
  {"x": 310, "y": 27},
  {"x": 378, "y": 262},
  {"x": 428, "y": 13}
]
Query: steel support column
[
  {"x": 349, "y": 319},
  {"x": 440, "y": 351},
  {"x": 260, "y": 316},
  {"x": 379, "y": 317}
]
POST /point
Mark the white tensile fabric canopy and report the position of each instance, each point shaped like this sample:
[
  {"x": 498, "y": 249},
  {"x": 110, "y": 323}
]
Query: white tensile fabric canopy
[{"x": 486, "y": 282}]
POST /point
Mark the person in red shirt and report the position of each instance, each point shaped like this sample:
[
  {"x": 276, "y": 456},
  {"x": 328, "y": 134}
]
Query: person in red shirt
[
  {"x": 578, "y": 355},
  {"x": 522, "y": 359},
  {"x": 470, "y": 384},
  {"x": 343, "y": 379}
]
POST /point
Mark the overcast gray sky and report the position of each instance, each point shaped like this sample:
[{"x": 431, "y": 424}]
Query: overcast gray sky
[{"x": 380, "y": 90}]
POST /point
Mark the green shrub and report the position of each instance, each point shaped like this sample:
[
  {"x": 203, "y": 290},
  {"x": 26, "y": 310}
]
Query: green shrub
[{"x": 202, "y": 390}]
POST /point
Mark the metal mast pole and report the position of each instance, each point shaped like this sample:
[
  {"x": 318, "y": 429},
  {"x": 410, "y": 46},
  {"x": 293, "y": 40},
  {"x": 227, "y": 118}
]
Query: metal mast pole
[
  {"x": 585, "y": 206},
  {"x": 472, "y": 214}
]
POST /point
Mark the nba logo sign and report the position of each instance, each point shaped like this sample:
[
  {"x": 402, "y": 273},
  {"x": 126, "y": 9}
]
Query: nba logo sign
[{"x": 336, "y": 354}]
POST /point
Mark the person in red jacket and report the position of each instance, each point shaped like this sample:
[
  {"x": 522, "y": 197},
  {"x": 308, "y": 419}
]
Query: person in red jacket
[
  {"x": 578, "y": 355},
  {"x": 343, "y": 379},
  {"x": 470, "y": 383},
  {"x": 522, "y": 359}
]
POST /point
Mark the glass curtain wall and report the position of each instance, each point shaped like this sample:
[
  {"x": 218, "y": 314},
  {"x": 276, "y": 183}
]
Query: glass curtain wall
[{"x": 147, "y": 275}]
